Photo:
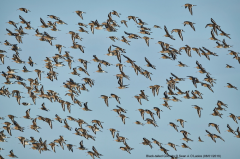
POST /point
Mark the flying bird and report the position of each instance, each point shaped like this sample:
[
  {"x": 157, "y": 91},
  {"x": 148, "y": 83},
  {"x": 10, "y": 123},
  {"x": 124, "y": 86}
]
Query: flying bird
[{"x": 189, "y": 6}]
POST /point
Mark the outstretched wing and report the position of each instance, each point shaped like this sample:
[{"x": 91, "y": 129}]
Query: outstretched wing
[
  {"x": 165, "y": 28},
  {"x": 174, "y": 75}
]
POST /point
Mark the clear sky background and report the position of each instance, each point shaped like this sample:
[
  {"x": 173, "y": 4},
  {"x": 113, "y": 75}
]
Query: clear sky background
[{"x": 155, "y": 12}]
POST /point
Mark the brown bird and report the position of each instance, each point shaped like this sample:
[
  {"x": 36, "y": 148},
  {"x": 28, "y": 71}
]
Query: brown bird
[
  {"x": 52, "y": 144},
  {"x": 147, "y": 40},
  {"x": 185, "y": 146},
  {"x": 198, "y": 110},
  {"x": 123, "y": 118},
  {"x": 44, "y": 107},
  {"x": 157, "y": 111},
  {"x": 100, "y": 70},
  {"x": 125, "y": 40},
  {"x": 189, "y": 23},
  {"x": 82, "y": 30},
  {"x": 147, "y": 142},
  {"x": 27, "y": 115},
  {"x": 231, "y": 86},
  {"x": 208, "y": 86},
  {"x": 189, "y": 6},
  {"x": 230, "y": 129},
  {"x": 105, "y": 99},
  {"x": 233, "y": 117},
  {"x": 238, "y": 133},
  {"x": 66, "y": 125},
  {"x": 59, "y": 47},
  {"x": 49, "y": 121},
  {"x": 34, "y": 126},
  {"x": 139, "y": 99},
  {"x": 98, "y": 122},
  {"x": 181, "y": 122},
  {"x": 214, "y": 125},
  {"x": 113, "y": 131},
  {"x": 199, "y": 139},
  {"x": 12, "y": 154},
  {"x": 86, "y": 107},
  {"x": 150, "y": 121},
  {"x": 125, "y": 22},
  {"x": 142, "y": 111},
  {"x": 216, "y": 113},
  {"x": 125, "y": 149},
  {"x": 96, "y": 152},
  {"x": 58, "y": 118},
  {"x": 53, "y": 17},
  {"x": 172, "y": 145},
  {"x": 179, "y": 31},
  {"x": 116, "y": 97},
  {"x": 166, "y": 105},
  {"x": 24, "y": 10},
  {"x": 79, "y": 13},
  {"x": 139, "y": 123},
  {"x": 167, "y": 33},
  {"x": 173, "y": 125}
]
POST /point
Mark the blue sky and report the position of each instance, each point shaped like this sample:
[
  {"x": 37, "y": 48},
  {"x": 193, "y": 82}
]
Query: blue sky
[{"x": 170, "y": 13}]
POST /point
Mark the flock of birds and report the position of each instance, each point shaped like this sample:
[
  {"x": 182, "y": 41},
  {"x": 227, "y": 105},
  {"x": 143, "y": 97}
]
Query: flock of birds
[{"x": 35, "y": 89}]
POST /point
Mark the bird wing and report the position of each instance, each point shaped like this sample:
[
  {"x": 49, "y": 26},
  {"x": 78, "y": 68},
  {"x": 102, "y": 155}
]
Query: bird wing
[
  {"x": 190, "y": 9},
  {"x": 28, "y": 113},
  {"x": 147, "y": 41},
  {"x": 99, "y": 67},
  {"x": 213, "y": 21},
  {"x": 199, "y": 112},
  {"x": 212, "y": 33},
  {"x": 42, "y": 21},
  {"x": 106, "y": 101},
  {"x": 208, "y": 132},
  {"x": 22, "y": 19},
  {"x": 224, "y": 42},
  {"x": 81, "y": 143},
  {"x": 85, "y": 105},
  {"x": 192, "y": 26},
  {"x": 180, "y": 35},
  {"x": 147, "y": 61},
  {"x": 9, "y": 31},
  {"x": 34, "y": 122},
  {"x": 92, "y": 29},
  {"x": 127, "y": 33},
  {"x": 174, "y": 75},
  {"x": 165, "y": 28},
  {"x": 172, "y": 37}
]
